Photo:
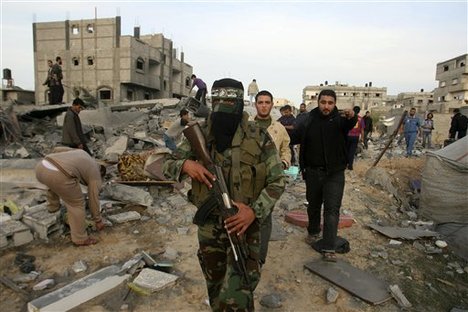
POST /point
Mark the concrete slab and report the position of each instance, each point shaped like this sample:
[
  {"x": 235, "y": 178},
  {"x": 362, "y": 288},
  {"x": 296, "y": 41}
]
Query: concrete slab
[
  {"x": 125, "y": 217},
  {"x": 128, "y": 194},
  {"x": 78, "y": 292},
  {"x": 118, "y": 147},
  {"x": 359, "y": 283},
  {"x": 154, "y": 280},
  {"x": 403, "y": 233}
]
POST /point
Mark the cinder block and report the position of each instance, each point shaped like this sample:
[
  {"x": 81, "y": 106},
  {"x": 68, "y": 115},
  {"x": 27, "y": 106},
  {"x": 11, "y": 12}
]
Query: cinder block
[
  {"x": 42, "y": 222},
  {"x": 15, "y": 233},
  {"x": 22, "y": 238},
  {"x": 80, "y": 291},
  {"x": 154, "y": 280}
]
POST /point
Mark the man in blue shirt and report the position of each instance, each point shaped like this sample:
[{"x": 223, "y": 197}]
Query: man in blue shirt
[{"x": 411, "y": 130}]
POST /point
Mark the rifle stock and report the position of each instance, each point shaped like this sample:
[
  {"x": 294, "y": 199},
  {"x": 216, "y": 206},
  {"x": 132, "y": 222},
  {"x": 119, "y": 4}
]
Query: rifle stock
[{"x": 197, "y": 141}]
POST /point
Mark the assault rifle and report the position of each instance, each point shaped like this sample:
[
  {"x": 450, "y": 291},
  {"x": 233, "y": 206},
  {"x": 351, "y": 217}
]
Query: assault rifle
[{"x": 221, "y": 198}]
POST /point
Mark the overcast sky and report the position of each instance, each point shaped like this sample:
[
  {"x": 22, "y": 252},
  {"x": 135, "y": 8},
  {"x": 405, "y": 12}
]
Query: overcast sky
[{"x": 285, "y": 45}]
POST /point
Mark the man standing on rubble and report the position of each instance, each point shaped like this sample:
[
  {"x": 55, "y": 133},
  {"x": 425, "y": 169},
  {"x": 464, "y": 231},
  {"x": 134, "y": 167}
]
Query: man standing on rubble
[
  {"x": 458, "y": 125},
  {"x": 279, "y": 135},
  {"x": 201, "y": 86},
  {"x": 242, "y": 150},
  {"x": 252, "y": 90},
  {"x": 63, "y": 172},
  {"x": 57, "y": 76},
  {"x": 411, "y": 127},
  {"x": 72, "y": 131},
  {"x": 323, "y": 160}
]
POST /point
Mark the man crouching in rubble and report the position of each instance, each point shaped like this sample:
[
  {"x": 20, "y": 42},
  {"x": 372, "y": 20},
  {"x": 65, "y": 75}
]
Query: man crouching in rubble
[
  {"x": 253, "y": 174},
  {"x": 63, "y": 172}
]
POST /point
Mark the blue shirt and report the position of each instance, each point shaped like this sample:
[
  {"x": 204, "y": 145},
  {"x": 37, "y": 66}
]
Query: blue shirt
[{"x": 412, "y": 124}]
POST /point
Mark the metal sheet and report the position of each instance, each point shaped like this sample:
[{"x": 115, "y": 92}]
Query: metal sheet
[{"x": 359, "y": 283}]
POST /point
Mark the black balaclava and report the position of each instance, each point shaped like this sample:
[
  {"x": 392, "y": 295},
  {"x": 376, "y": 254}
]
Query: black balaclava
[{"x": 227, "y": 96}]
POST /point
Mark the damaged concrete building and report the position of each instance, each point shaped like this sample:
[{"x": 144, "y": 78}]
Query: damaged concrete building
[
  {"x": 365, "y": 96},
  {"x": 452, "y": 90},
  {"x": 105, "y": 66}
]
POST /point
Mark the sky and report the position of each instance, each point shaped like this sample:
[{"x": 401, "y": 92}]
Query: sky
[{"x": 284, "y": 45}]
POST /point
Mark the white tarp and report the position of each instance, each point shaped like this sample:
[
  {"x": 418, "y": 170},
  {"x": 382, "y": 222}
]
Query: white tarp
[{"x": 444, "y": 187}]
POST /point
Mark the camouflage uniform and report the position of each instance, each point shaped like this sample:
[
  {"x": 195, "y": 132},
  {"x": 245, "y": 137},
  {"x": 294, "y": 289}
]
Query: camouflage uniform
[{"x": 256, "y": 181}]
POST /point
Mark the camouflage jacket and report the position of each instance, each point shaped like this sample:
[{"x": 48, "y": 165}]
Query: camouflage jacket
[{"x": 259, "y": 180}]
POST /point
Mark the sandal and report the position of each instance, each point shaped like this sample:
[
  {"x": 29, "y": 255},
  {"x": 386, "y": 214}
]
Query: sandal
[
  {"x": 329, "y": 256},
  {"x": 87, "y": 242}
]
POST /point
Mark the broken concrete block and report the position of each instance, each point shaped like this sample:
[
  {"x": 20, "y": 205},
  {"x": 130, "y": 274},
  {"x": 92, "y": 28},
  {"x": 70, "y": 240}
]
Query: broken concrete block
[
  {"x": 125, "y": 217},
  {"x": 15, "y": 232},
  {"x": 47, "y": 283},
  {"x": 79, "y": 266},
  {"x": 128, "y": 194},
  {"x": 42, "y": 221},
  {"x": 177, "y": 201},
  {"x": 4, "y": 217},
  {"x": 332, "y": 295},
  {"x": 80, "y": 291},
  {"x": 118, "y": 147},
  {"x": 3, "y": 240},
  {"x": 154, "y": 280}
]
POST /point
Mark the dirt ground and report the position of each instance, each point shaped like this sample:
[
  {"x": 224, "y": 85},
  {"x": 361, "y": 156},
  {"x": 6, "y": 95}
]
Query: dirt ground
[{"x": 424, "y": 279}]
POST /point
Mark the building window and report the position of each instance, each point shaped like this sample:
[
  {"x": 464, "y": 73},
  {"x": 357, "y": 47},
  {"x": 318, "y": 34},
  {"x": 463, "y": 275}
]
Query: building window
[
  {"x": 442, "y": 84},
  {"x": 446, "y": 68},
  {"x": 377, "y": 95},
  {"x": 165, "y": 85},
  {"x": 90, "y": 28},
  {"x": 140, "y": 63},
  {"x": 420, "y": 101},
  {"x": 75, "y": 30},
  {"x": 75, "y": 61},
  {"x": 105, "y": 94},
  {"x": 187, "y": 82},
  {"x": 90, "y": 60},
  {"x": 462, "y": 64},
  {"x": 147, "y": 96},
  {"x": 344, "y": 93},
  {"x": 164, "y": 58},
  {"x": 365, "y": 94},
  {"x": 454, "y": 81}
]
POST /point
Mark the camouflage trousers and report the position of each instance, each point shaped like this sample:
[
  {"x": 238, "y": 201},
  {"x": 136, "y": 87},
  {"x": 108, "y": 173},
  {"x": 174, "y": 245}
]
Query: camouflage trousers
[{"x": 227, "y": 288}]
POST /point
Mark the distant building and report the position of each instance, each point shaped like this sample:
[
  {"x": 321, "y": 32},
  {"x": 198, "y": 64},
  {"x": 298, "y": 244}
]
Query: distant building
[
  {"x": 452, "y": 90},
  {"x": 10, "y": 92},
  {"x": 105, "y": 66},
  {"x": 348, "y": 96},
  {"x": 422, "y": 101},
  {"x": 280, "y": 102}
]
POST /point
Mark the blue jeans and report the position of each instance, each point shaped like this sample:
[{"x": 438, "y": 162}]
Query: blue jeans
[
  {"x": 410, "y": 138},
  {"x": 326, "y": 188},
  {"x": 427, "y": 139},
  {"x": 170, "y": 144}
]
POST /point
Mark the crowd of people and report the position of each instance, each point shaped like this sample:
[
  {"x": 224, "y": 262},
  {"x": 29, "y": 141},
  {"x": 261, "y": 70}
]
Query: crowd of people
[{"x": 252, "y": 155}]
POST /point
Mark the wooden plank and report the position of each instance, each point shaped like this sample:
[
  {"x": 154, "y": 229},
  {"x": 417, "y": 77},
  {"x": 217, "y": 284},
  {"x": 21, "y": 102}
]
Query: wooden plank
[{"x": 359, "y": 283}]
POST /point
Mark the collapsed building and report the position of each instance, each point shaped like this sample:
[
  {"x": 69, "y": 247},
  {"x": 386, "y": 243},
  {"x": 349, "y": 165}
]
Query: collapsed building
[{"x": 102, "y": 65}]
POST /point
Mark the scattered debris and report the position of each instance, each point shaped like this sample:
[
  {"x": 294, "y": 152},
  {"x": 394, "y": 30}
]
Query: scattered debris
[
  {"x": 332, "y": 295},
  {"x": 403, "y": 233},
  {"x": 154, "y": 280},
  {"x": 271, "y": 301},
  {"x": 399, "y": 297}
]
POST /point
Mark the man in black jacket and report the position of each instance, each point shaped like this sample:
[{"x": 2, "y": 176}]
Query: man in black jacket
[
  {"x": 458, "y": 125},
  {"x": 322, "y": 160},
  {"x": 72, "y": 131}
]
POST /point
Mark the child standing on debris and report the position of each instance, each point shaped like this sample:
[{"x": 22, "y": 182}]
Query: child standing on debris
[
  {"x": 175, "y": 130},
  {"x": 427, "y": 128}
]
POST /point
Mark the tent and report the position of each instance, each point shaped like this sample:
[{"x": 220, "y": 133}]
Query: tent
[
  {"x": 444, "y": 187},
  {"x": 444, "y": 193}
]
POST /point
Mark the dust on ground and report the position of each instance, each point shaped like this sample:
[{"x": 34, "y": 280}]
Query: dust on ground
[{"x": 424, "y": 279}]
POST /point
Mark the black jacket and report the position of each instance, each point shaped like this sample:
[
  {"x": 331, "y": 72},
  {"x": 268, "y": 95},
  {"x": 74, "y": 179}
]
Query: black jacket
[
  {"x": 323, "y": 140},
  {"x": 459, "y": 124}
]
